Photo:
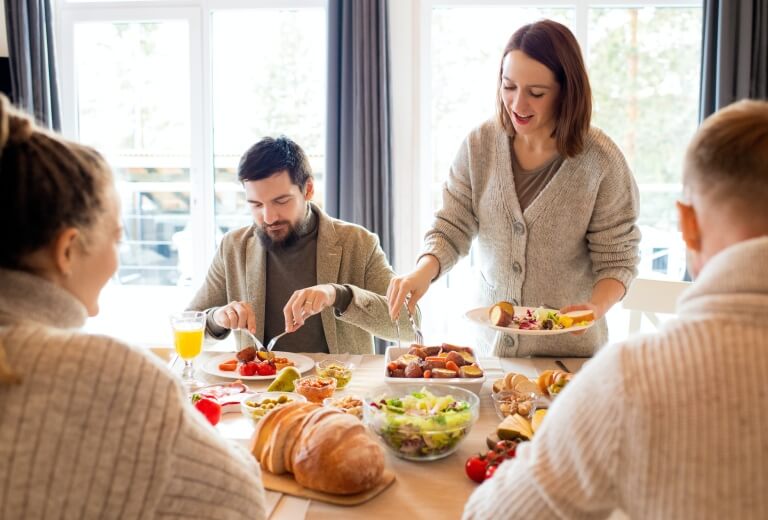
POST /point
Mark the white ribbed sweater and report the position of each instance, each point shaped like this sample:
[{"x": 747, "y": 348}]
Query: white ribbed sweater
[
  {"x": 577, "y": 231},
  {"x": 97, "y": 429},
  {"x": 673, "y": 425}
]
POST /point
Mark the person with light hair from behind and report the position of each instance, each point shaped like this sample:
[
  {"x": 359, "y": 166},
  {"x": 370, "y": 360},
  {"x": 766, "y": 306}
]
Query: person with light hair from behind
[
  {"x": 89, "y": 427},
  {"x": 672, "y": 425}
]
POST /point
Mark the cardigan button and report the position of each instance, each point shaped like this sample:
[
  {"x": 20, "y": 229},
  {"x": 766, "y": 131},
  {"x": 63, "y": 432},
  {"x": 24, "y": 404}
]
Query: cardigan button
[
  {"x": 519, "y": 228},
  {"x": 517, "y": 268}
]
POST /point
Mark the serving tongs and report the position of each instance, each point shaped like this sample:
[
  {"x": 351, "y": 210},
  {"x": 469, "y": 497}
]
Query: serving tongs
[{"x": 416, "y": 330}]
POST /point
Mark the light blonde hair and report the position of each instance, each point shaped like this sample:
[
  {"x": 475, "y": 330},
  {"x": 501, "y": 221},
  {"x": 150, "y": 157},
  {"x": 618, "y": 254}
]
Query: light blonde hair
[
  {"x": 727, "y": 160},
  {"x": 46, "y": 184}
]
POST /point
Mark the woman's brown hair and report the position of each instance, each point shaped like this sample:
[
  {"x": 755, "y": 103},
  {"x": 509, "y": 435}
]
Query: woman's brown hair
[
  {"x": 46, "y": 185},
  {"x": 553, "y": 45}
]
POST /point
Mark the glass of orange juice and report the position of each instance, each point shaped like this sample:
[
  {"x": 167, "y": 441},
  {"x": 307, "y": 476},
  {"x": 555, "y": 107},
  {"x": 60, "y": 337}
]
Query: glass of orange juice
[{"x": 188, "y": 331}]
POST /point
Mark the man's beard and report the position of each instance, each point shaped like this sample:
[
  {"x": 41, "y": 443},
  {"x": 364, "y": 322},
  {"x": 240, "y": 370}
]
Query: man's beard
[{"x": 295, "y": 232}]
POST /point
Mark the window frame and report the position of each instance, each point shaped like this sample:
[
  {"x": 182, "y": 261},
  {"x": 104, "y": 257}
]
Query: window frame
[
  {"x": 411, "y": 95},
  {"x": 198, "y": 15}
]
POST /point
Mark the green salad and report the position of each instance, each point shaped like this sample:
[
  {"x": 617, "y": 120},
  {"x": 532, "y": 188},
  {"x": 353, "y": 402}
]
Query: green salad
[{"x": 421, "y": 425}]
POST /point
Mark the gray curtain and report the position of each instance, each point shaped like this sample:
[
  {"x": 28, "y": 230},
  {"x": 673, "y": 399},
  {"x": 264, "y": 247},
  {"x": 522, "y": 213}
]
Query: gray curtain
[
  {"x": 32, "y": 60},
  {"x": 358, "y": 174},
  {"x": 734, "y": 63}
]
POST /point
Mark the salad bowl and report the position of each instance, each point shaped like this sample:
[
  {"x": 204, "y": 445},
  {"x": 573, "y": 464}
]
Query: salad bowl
[{"x": 418, "y": 422}]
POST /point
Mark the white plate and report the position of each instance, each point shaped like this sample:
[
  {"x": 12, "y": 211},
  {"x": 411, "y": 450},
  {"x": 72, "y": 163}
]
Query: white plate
[
  {"x": 211, "y": 366},
  {"x": 480, "y": 316}
]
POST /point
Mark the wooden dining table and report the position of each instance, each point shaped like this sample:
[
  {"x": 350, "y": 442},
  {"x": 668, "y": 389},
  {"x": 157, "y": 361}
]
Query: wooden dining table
[{"x": 429, "y": 490}]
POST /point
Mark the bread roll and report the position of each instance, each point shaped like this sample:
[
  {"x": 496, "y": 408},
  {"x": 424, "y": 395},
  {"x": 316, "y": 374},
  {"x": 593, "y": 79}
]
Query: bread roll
[{"x": 337, "y": 455}]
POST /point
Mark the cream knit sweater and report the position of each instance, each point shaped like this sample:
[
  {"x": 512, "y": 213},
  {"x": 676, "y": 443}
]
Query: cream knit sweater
[
  {"x": 579, "y": 230},
  {"x": 97, "y": 429},
  {"x": 673, "y": 425}
]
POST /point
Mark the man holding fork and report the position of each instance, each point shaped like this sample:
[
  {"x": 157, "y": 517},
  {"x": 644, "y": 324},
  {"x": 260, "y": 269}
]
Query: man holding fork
[{"x": 296, "y": 269}]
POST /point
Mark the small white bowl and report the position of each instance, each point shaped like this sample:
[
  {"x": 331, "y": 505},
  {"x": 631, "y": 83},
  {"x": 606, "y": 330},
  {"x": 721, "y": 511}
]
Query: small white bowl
[{"x": 256, "y": 413}]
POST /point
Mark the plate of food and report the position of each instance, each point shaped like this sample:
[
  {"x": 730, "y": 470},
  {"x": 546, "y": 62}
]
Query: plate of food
[
  {"x": 253, "y": 366},
  {"x": 530, "y": 321},
  {"x": 443, "y": 364}
]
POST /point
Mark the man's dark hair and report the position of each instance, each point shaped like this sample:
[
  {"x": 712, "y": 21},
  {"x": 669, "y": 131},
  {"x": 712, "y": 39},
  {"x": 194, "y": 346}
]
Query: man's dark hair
[{"x": 270, "y": 156}]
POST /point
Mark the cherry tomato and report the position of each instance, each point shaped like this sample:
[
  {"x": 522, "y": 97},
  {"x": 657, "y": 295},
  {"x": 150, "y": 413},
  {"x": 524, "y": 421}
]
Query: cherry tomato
[
  {"x": 506, "y": 447},
  {"x": 490, "y": 470},
  {"x": 266, "y": 369},
  {"x": 494, "y": 457},
  {"x": 248, "y": 369},
  {"x": 476, "y": 467},
  {"x": 209, "y": 407}
]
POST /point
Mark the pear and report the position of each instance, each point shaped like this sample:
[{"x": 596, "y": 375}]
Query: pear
[{"x": 284, "y": 380}]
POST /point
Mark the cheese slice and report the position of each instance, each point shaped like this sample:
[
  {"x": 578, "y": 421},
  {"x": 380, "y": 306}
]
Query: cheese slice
[{"x": 514, "y": 427}]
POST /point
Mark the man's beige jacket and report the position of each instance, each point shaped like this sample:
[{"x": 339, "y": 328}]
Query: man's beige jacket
[{"x": 346, "y": 254}]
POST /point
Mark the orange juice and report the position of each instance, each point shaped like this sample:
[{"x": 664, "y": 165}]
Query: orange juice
[{"x": 189, "y": 342}]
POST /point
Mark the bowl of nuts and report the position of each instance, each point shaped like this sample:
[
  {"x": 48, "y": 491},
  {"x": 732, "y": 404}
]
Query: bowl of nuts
[{"x": 511, "y": 402}]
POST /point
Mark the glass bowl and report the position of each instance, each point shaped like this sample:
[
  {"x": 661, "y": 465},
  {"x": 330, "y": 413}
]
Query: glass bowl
[
  {"x": 341, "y": 371},
  {"x": 510, "y": 402},
  {"x": 347, "y": 403},
  {"x": 260, "y": 404},
  {"x": 420, "y": 423},
  {"x": 315, "y": 388}
]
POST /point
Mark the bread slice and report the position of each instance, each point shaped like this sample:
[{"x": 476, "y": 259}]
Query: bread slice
[
  {"x": 265, "y": 428},
  {"x": 526, "y": 386},
  {"x": 275, "y": 460},
  {"x": 581, "y": 316},
  {"x": 292, "y": 432}
]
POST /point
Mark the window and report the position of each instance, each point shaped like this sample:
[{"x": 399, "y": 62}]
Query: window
[
  {"x": 643, "y": 59},
  {"x": 173, "y": 96}
]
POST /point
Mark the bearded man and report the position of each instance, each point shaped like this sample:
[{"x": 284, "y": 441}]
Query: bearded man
[{"x": 296, "y": 268}]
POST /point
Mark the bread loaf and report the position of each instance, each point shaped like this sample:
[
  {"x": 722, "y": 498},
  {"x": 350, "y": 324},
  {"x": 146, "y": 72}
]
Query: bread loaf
[
  {"x": 338, "y": 456},
  {"x": 326, "y": 449}
]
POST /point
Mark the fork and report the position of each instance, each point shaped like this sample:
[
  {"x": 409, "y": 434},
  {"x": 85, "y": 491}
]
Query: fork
[
  {"x": 259, "y": 344},
  {"x": 272, "y": 342}
]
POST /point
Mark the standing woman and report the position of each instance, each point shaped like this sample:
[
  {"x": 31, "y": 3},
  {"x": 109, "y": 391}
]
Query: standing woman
[
  {"x": 89, "y": 427},
  {"x": 550, "y": 200}
]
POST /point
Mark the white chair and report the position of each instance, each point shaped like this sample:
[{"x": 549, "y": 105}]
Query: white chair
[{"x": 650, "y": 297}]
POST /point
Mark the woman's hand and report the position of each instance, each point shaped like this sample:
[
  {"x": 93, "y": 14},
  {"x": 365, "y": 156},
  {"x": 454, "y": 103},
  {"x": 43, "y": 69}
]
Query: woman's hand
[
  {"x": 605, "y": 294},
  {"x": 412, "y": 286},
  {"x": 588, "y": 306},
  {"x": 236, "y": 315},
  {"x": 307, "y": 302}
]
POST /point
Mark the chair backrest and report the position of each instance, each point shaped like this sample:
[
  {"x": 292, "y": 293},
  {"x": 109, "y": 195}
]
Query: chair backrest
[{"x": 649, "y": 297}]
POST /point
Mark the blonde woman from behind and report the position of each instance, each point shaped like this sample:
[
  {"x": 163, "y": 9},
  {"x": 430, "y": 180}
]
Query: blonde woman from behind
[{"x": 89, "y": 427}]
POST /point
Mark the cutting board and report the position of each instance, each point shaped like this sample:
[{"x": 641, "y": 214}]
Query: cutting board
[{"x": 286, "y": 484}]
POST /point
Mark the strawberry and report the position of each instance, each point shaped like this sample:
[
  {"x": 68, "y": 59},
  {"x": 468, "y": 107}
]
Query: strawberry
[{"x": 209, "y": 407}]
